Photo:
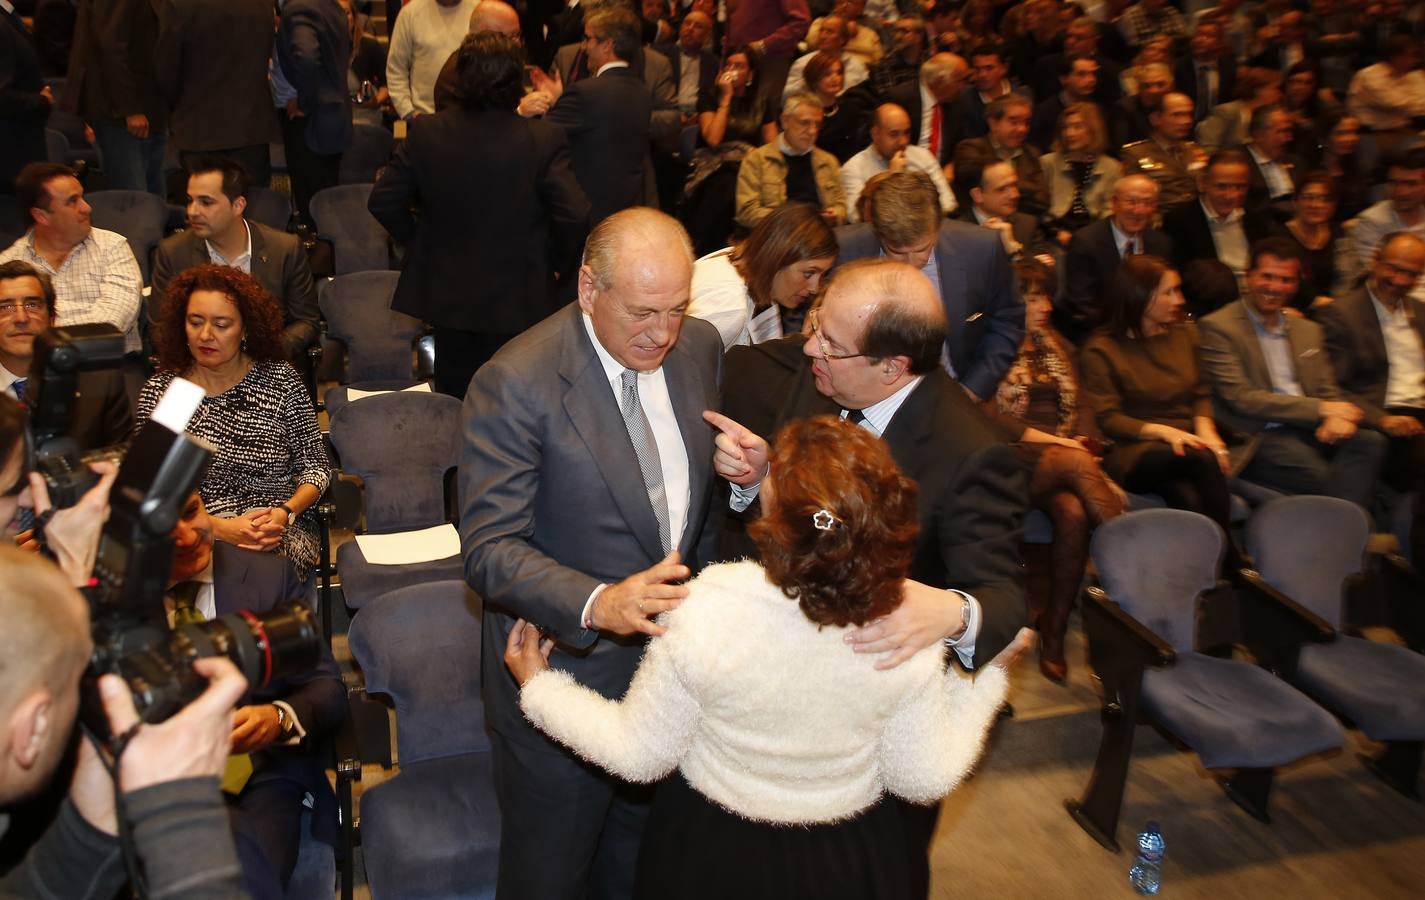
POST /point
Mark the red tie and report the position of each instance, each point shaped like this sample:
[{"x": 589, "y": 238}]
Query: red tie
[{"x": 935, "y": 131}]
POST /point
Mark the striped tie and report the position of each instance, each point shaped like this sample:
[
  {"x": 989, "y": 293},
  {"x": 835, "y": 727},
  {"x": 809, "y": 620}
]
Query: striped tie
[{"x": 646, "y": 449}]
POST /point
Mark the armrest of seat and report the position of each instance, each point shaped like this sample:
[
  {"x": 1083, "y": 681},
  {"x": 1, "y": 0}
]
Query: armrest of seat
[
  {"x": 1275, "y": 626},
  {"x": 346, "y": 759},
  {"x": 1405, "y": 588},
  {"x": 1120, "y": 647}
]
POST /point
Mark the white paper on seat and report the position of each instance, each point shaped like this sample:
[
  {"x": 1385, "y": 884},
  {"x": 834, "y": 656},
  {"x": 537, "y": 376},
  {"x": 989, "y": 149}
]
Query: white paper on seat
[
  {"x": 406, "y": 547},
  {"x": 354, "y": 394}
]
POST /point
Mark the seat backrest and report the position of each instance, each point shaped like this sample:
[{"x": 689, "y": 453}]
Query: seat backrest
[
  {"x": 1307, "y": 546},
  {"x": 420, "y": 646},
  {"x": 401, "y": 445},
  {"x": 138, "y": 215},
  {"x": 369, "y": 151},
  {"x": 341, "y": 217},
  {"x": 379, "y": 342},
  {"x": 56, "y": 146},
  {"x": 1155, "y": 564},
  {"x": 271, "y": 208}
]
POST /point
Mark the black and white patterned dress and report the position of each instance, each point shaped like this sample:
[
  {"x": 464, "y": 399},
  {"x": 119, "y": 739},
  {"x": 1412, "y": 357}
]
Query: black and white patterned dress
[{"x": 268, "y": 443}]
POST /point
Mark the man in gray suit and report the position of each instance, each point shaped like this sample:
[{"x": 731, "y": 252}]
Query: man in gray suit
[
  {"x": 966, "y": 264},
  {"x": 1272, "y": 382},
  {"x": 586, "y": 459}
]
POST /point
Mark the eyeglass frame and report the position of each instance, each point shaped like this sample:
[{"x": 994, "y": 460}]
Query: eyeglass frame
[
  {"x": 814, "y": 325},
  {"x": 31, "y": 305}
]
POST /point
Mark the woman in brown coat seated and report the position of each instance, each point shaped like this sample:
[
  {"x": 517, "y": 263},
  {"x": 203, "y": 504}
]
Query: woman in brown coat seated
[{"x": 1140, "y": 376}]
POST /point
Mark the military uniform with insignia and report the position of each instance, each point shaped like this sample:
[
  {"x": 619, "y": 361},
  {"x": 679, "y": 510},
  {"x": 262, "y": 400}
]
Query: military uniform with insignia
[{"x": 1174, "y": 169}]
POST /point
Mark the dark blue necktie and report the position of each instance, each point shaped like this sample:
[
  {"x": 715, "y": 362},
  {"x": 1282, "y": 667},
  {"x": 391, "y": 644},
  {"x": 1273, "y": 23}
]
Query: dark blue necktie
[{"x": 18, "y": 385}]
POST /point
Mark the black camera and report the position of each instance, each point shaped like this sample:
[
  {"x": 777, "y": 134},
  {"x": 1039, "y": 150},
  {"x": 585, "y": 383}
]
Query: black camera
[
  {"x": 160, "y": 468},
  {"x": 60, "y": 354}
]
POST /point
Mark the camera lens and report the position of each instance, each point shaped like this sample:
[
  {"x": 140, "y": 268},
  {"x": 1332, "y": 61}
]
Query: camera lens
[{"x": 283, "y": 642}]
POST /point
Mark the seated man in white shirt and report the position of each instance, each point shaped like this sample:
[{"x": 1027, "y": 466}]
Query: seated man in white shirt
[
  {"x": 831, "y": 38},
  {"x": 1390, "y": 95},
  {"x": 891, "y": 151},
  {"x": 95, "y": 275},
  {"x": 1403, "y": 209}
]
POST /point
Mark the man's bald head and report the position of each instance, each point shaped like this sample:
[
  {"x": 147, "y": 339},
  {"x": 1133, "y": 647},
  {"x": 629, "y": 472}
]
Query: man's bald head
[
  {"x": 44, "y": 647},
  {"x": 494, "y": 15},
  {"x": 944, "y": 75},
  {"x": 890, "y": 130},
  {"x": 902, "y": 313}
]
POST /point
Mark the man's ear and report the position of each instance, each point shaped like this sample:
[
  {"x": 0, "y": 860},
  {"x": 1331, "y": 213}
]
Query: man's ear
[
  {"x": 240, "y": 206},
  {"x": 31, "y": 722},
  {"x": 587, "y": 289},
  {"x": 893, "y": 367},
  {"x": 40, "y": 216},
  {"x": 976, "y": 196}
]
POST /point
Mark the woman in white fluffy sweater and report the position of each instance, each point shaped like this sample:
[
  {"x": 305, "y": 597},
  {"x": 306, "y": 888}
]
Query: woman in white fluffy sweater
[{"x": 770, "y": 718}]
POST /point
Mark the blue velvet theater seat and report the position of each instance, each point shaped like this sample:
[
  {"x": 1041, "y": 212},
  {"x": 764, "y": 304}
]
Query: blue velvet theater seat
[{"x": 432, "y": 830}]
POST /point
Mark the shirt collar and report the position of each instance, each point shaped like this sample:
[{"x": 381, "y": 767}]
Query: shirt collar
[
  {"x": 1214, "y": 219},
  {"x": 214, "y": 252},
  {"x": 1119, "y": 235},
  {"x": 616, "y": 64},
  {"x": 787, "y": 150},
  {"x": 880, "y": 413},
  {"x": 1382, "y": 311},
  {"x": 1280, "y": 330},
  {"x": 1258, "y": 156},
  {"x": 7, "y": 6}
]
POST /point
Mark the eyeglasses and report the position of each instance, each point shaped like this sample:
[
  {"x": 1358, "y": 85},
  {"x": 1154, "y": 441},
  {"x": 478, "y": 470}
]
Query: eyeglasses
[
  {"x": 826, "y": 354},
  {"x": 31, "y": 305}
]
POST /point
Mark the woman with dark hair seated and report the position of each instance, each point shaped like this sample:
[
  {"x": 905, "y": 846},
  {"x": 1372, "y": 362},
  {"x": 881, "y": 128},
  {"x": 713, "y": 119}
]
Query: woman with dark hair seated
[
  {"x": 1338, "y": 140},
  {"x": 1315, "y": 230},
  {"x": 733, "y": 119},
  {"x": 220, "y": 330},
  {"x": 785, "y": 741},
  {"x": 760, "y": 289},
  {"x": 1141, "y": 378},
  {"x": 1039, "y": 399}
]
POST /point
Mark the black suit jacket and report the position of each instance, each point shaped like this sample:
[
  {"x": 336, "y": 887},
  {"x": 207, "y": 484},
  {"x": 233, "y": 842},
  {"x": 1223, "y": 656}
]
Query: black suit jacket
[
  {"x": 1089, "y": 264},
  {"x": 973, "y": 490},
  {"x": 707, "y": 68},
  {"x": 1192, "y": 239},
  {"x": 103, "y": 416},
  {"x": 259, "y": 582},
  {"x": 492, "y": 273},
  {"x": 278, "y": 263},
  {"x": 23, "y": 112},
  {"x": 1258, "y": 198},
  {"x": 314, "y": 48},
  {"x": 607, "y": 120},
  {"x": 1356, "y": 348},
  {"x": 211, "y": 62},
  {"x": 111, "y": 66},
  {"x": 1185, "y": 78}
]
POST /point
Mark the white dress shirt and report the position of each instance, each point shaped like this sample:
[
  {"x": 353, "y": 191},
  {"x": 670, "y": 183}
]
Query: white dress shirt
[
  {"x": 1279, "y": 183},
  {"x": 867, "y": 164},
  {"x": 1405, "y": 379},
  {"x": 672, "y": 452},
  {"x": 242, "y": 262},
  {"x": 8, "y": 378},
  {"x": 1230, "y": 241}
]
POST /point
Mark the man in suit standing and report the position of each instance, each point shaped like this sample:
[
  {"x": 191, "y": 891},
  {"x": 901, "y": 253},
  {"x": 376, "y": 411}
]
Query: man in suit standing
[
  {"x": 1272, "y": 384},
  {"x": 966, "y": 266},
  {"x": 1208, "y": 75},
  {"x": 27, "y": 101},
  {"x": 101, "y": 416},
  {"x": 280, "y": 724},
  {"x": 314, "y": 51},
  {"x": 480, "y": 280},
  {"x": 1095, "y": 251},
  {"x": 211, "y": 62},
  {"x": 607, "y": 117},
  {"x": 219, "y": 233},
  {"x": 1375, "y": 336},
  {"x": 873, "y": 357},
  {"x": 586, "y": 459},
  {"x": 939, "y": 118},
  {"x": 1217, "y": 226},
  {"x": 112, "y": 87}
]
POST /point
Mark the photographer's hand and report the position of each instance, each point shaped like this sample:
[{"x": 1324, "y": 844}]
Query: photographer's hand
[
  {"x": 72, "y": 534},
  {"x": 192, "y": 744}
]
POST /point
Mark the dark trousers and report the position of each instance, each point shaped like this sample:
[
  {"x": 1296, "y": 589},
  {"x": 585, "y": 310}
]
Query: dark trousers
[
  {"x": 267, "y": 830},
  {"x": 310, "y": 171},
  {"x": 458, "y": 354},
  {"x": 1293, "y": 461},
  {"x": 568, "y": 830},
  {"x": 256, "y": 160}
]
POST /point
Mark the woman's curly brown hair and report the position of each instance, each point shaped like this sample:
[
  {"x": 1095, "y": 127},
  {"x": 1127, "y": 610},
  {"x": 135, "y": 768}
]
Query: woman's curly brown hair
[
  {"x": 850, "y": 573},
  {"x": 261, "y": 316}
]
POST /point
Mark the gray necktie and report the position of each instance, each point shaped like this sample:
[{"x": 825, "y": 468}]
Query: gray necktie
[{"x": 644, "y": 446}]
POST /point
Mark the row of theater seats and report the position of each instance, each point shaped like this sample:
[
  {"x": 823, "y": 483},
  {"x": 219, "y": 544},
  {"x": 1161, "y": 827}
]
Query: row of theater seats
[{"x": 1162, "y": 629}]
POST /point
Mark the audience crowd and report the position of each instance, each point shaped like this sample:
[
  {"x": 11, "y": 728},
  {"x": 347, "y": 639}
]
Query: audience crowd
[{"x": 1056, "y": 256}]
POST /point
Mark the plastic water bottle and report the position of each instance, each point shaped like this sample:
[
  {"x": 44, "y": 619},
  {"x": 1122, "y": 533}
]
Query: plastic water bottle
[{"x": 1146, "y": 874}]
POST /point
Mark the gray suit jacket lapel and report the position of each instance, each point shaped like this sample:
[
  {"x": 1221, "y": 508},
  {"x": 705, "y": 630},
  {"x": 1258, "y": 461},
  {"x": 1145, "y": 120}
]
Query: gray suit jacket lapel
[{"x": 590, "y": 405}]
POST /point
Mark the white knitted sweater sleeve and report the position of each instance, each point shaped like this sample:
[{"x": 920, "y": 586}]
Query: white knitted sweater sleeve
[
  {"x": 937, "y": 734},
  {"x": 640, "y": 738}
]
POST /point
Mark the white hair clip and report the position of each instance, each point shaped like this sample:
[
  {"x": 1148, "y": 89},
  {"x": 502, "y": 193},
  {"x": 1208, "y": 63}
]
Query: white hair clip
[{"x": 823, "y": 520}]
